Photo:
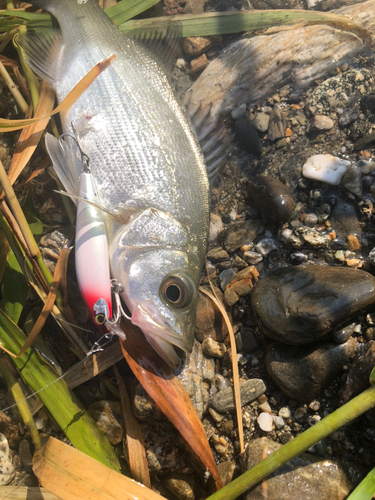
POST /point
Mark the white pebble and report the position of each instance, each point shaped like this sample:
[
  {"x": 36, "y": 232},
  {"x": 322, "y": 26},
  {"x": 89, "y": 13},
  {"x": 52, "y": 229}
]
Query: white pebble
[
  {"x": 285, "y": 412},
  {"x": 325, "y": 168},
  {"x": 343, "y": 149},
  {"x": 265, "y": 421},
  {"x": 239, "y": 111},
  {"x": 279, "y": 422},
  {"x": 181, "y": 63},
  {"x": 286, "y": 234}
]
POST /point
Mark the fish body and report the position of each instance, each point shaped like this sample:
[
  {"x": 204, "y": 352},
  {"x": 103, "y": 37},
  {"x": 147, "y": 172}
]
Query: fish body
[{"x": 146, "y": 162}]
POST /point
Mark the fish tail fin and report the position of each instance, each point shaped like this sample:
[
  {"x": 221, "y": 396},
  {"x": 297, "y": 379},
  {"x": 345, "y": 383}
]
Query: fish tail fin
[{"x": 63, "y": 164}]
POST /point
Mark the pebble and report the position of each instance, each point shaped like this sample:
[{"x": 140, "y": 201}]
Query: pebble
[
  {"x": 181, "y": 487},
  {"x": 265, "y": 407},
  {"x": 247, "y": 136},
  {"x": 265, "y": 422},
  {"x": 246, "y": 340},
  {"x": 307, "y": 476},
  {"x": 310, "y": 220},
  {"x": 209, "y": 320},
  {"x": 277, "y": 125},
  {"x": 25, "y": 453},
  {"x": 311, "y": 300},
  {"x": 213, "y": 348},
  {"x": 320, "y": 122},
  {"x": 266, "y": 246},
  {"x": 308, "y": 235},
  {"x": 194, "y": 46},
  {"x": 325, "y": 168},
  {"x": 221, "y": 382},
  {"x": 239, "y": 111},
  {"x": 105, "y": 414},
  {"x": 365, "y": 142},
  {"x": 226, "y": 471},
  {"x": 199, "y": 64},
  {"x": 342, "y": 335},
  {"x": 252, "y": 257},
  {"x": 217, "y": 254},
  {"x": 352, "y": 243},
  {"x": 298, "y": 258},
  {"x": 302, "y": 373},
  {"x": 285, "y": 412},
  {"x": 344, "y": 219},
  {"x": 261, "y": 122},
  {"x": 240, "y": 233},
  {"x": 7, "y": 469},
  {"x": 352, "y": 181},
  {"x": 240, "y": 285},
  {"x": 279, "y": 422},
  {"x": 272, "y": 198},
  {"x": 223, "y": 401},
  {"x": 357, "y": 379},
  {"x": 216, "y": 226}
]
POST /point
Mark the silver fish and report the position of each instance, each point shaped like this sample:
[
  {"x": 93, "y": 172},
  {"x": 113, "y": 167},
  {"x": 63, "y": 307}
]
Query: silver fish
[{"x": 144, "y": 156}]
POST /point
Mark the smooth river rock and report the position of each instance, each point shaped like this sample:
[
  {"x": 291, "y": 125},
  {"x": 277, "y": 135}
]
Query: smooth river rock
[
  {"x": 301, "y": 304},
  {"x": 272, "y": 198},
  {"x": 223, "y": 401},
  {"x": 303, "y": 372},
  {"x": 307, "y": 477}
]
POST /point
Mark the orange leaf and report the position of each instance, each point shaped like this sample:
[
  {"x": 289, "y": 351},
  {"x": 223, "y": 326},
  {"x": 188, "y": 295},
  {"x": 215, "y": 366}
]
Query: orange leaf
[
  {"x": 70, "y": 99},
  {"x": 168, "y": 394},
  {"x": 31, "y": 135}
]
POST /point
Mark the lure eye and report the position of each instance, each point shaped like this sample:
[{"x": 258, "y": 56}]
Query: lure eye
[
  {"x": 177, "y": 291},
  {"x": 100, "y": 319}
]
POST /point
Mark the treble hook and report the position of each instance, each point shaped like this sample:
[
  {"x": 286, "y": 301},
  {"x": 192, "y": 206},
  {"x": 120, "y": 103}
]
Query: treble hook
[
  {"x": 84, "y": 157},
  {"x": 117, "y": 289}
]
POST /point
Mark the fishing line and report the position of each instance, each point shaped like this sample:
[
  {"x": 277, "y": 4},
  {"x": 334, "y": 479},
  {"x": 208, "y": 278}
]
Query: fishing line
[{"x": 96, "y": 347}]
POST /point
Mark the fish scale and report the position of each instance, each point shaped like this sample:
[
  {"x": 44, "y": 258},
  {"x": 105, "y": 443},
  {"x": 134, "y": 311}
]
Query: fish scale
[{"x": 146, "y": 162}]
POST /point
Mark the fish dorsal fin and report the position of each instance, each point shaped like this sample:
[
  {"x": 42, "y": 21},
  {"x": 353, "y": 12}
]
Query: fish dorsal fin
[
  {"x": 162, "y": 41},
  {"x": 63, "y": 162},
  {"x": 42, "y": 52}
]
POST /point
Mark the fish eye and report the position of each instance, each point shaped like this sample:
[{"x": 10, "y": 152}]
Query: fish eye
[
  {"x": 177, "y": 291},
  {"x": 100, "y": 319}
]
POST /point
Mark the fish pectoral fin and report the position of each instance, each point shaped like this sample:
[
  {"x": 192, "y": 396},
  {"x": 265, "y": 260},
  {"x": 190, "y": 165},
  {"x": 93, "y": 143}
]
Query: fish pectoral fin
[
  {"x": 63, "y": 164},
  {"x": 42, "y": 52}
]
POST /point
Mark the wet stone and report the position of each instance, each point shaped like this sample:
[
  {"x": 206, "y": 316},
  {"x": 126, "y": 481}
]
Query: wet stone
[
  {"x": 344, "y": 219},
  {"x": 303, "y": 372},
  {"x": 217, "y": 254},
  {"x": 223, "y": 401},
  {"x": 365, "y": 142},
  {"x": 272, "y": 198},
  {"x": 252, "y": 257},
  {"x": 343, "y": 334},
  {"x": 310, "y": 301},
  {"x": 239, "y": 234},
  {"x": 308, "y": 476},
  {"x": 209, "y": 320},
  {"x": 352, "y": 181},
  {"x": 320, "y": 122},
  {"x": 357, "y": 379},
  {"x": 182, "y": 487},
  {"x": 247, "y": 136},
  {"x": 308, "y": 235},
  {"x": 225, "y": 277},
  {"x": 246, "y": 341},
  {"x": 349, "y": 116},
  {"x": 261, "y": 122},
  {"x": 226, "y": 471}
]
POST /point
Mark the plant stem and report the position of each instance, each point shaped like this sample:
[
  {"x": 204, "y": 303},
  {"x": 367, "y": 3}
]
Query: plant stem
[
  {"x": 366, "y": 488},
  {"x": 337, "y": 419},
  {"x": 24, "y": 226},
  {"x": 13, "y": 88},
  {"x": 7, "y": 372}
]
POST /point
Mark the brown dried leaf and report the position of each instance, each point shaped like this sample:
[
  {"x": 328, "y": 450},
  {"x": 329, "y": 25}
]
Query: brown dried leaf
[
  {"x": 134, "y": 439},
  {"x": 31, "y": 135},
  {"x": 71, "y": 474},
  {"x": 163, "y": 387}
]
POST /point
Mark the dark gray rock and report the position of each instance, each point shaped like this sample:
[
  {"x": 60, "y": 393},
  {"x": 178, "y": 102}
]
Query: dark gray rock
[
  {"x": 247, "y": 136},
  {"x": 246, "y": 341},
  {"x": 308, "y": 476},
  {"x": 299, "y": 305},
  {"x": 365, "y": 142},
  {"x": 303, "y": 372},
  {"x": 272, "y": 198},
  {"x": 359, "y": 373},
  {"x": 344, "y": 219},
  {"x": 291, "y": 171},
  {"x": 223, "y": 401},
  {"x": 240, "y": 233},
  {"x": 349, "y": 116}
]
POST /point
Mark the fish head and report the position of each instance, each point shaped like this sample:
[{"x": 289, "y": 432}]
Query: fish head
[{"x": 161, "y": 293}]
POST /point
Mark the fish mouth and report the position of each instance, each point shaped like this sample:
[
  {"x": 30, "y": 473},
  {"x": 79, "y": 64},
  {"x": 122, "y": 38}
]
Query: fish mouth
[{"x": 158, "y": 333}]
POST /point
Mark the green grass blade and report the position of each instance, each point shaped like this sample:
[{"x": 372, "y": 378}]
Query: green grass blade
[
  {"x": 344, "y": 415},
  {"x": 127, "y": 9},
  {"x": 222, "y": 23},
  {"x": 15, "y": 288},
  {"x": 60, "y": 401},
  {"x": 366, "y": 488}
]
